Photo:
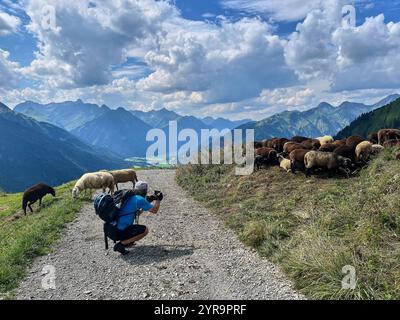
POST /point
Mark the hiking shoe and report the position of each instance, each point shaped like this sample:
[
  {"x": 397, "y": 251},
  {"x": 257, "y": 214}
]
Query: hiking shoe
[
  {"x": 119, "y": 247},
  {"x": 130, "y": 245}
]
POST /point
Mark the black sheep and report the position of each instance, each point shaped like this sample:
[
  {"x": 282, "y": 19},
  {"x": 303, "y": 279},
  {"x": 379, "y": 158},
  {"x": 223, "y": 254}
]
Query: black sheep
[{"x": 35, "y": 193}]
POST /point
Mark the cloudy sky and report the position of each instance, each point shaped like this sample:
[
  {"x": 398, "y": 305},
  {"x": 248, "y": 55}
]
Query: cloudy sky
[{"x": 234, "y": 58}]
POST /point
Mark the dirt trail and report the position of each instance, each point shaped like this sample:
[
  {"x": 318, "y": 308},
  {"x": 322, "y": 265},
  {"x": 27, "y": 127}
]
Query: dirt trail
[{"x": 189, "y": 254}]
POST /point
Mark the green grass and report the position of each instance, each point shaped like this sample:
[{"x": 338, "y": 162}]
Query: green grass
[
  {"x": 28, "y": 236},
  {"x": 313, "y": 227}
]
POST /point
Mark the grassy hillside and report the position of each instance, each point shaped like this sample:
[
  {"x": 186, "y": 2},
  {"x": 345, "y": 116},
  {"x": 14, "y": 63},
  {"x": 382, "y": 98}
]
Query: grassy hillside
[
  {"x": 314, "y": 227},
  {"x": 385, "y": 117},
  {"x": 24, "y": 237}
]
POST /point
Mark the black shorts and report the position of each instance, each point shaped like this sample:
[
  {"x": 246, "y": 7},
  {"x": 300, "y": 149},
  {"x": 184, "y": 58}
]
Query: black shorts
[{"x": 131, "y": 231}]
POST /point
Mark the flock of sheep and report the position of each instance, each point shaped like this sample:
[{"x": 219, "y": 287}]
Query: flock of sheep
[
  {"x": 298, "y": 153},
  {"x": 324, "y": 153},
  {"x": 95, "y": 180}
]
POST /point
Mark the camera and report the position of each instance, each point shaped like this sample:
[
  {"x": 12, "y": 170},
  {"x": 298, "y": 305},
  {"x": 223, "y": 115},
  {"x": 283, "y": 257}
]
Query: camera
[{"x": 157, "y": 195}]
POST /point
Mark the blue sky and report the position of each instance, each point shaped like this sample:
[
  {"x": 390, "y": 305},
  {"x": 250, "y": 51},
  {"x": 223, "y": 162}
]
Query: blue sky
[{"x": 232, "y": 58}]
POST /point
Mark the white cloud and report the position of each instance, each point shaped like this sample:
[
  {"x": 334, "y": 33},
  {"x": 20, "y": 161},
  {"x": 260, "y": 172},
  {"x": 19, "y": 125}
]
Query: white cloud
[
  {"x": 8, "y": 23},
  {"x": 288, "y": 10},
  {"x": 238, "y": 68},
  {"x": 310, "y": 50},
  {"x": 91, "y": 36},
  {"x": 228, "y": 62},
  {"x": 370, "y": 51},
  {"x": 287, "y": 97},
  {"x": 9, "y": 71}
]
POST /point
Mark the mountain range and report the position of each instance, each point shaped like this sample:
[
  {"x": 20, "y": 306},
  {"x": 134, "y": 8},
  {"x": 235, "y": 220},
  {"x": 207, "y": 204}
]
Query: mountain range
[
  {"x": 116, "y": 130},
  {"x": 120, "y": 131},
  {"x": 68, "y": 115},
  {"x": 33, "y": 151},
  {"x": 319, "y": 121},
  {"x": 385, "y": 117}
]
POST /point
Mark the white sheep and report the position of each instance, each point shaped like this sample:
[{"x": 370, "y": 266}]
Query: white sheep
[
  {"x": 285, "y": 164},
  {"x": 325, "y": 139},
  {"x": 95, "y": 180},
  {"x": 363, "y": 151},
  {"x": 377, "y": 148},
  {"x": 125, "y": 175}
]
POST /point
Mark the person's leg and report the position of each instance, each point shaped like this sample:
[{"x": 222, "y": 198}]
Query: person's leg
[
  {"x": 129, "y": 236},
  {"x": 135, "y": 238}
]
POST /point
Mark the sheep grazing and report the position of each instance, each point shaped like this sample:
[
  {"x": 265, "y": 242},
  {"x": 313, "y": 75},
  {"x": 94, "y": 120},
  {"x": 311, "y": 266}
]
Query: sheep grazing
[
  {"x": 325, "y": 139},
  {"x": 260, "y": 162},
  {"x": 290, "y": 146},
  {"x": 96, "y": 180},
  {"x": 279, "y": 143},
  {"x": 353, "y": 141},
  {"x": 325, "y": 160},
  {"x": 311, "y": 144},
  {"x": 377, "y": 148},
  {"x": 296, "y": 158},
  {"x": 299, "y": 139},
  {"x": 269, "y": 154},
  {"x": 35, "y": 193},
  {"x": 126, "y": 175},
  {"x": 391, "y": 143},
  {"x": 284, "y": 163},
  {"x": 339, "y": 143},
  {"x": 373, "y": 138},
  {"x": 398, "y": 157},
  {"x": 258, "y": 144},
  {"x": 388, "y": 134},
  {"x": 328, "y": 147},
  {"x": 275, "y": 143},
  {"x": 363, "y": 151},
  {"x": 268, "y": 143},
  {"x": 347, "y": 152}
]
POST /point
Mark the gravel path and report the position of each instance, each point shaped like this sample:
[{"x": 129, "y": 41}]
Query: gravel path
[{"x": 189, "y": 254}]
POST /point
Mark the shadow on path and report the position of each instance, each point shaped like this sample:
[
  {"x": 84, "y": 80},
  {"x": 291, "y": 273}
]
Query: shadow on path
[{"x": 147, "y": 254}]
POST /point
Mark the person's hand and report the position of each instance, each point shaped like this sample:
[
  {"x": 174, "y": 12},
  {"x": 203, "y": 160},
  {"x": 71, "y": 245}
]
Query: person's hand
[
  {"x": 159, "y": 195},
  {"x": 151, "y": 198}
]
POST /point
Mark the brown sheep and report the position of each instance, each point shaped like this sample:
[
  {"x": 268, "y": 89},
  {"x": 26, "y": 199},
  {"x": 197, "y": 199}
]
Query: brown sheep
[
  {"x": 299, "y": 139},
  {"x": 311, "y": 144},
  {"x": 258, "y": 144},
  {"x": 329, "y": 147},
  {"x": 269, "y": 154},
  {"x": 388, "y": 134},
  {"x": 353, "y": 141},
  {"x": 35, "y": 193},
  {"x": 279, "y": 143},
  {"x": 391, "y": 143},
  {"x": 268, "y": 143},
  {"x": 290, "y": 146},
  {"x": 339, "y": 143},
  {"x": 373, "y": 138},
  {"x": 347, "y": 152},
  {"x": 398, "y": 157},
  {"x": 264, "y": 157},
  {"x": 125, "y": 175},
  {"x": 265, "y": 152},
  {"x": 296, "y": 158},
  {"x": 325, "y": 160}
]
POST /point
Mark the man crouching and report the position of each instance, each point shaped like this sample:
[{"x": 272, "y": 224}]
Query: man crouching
[{"x": 129, "y": 232}]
